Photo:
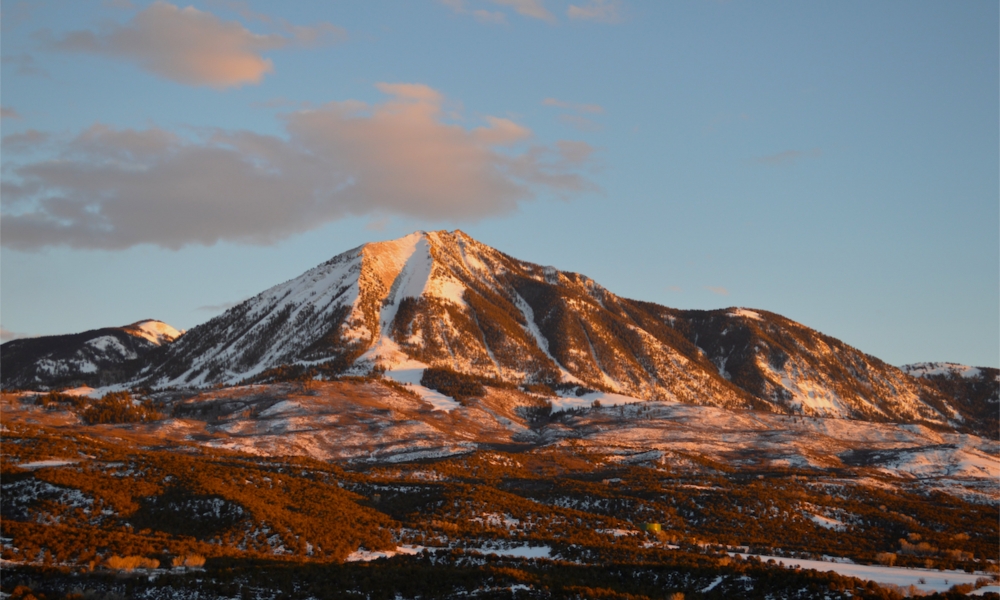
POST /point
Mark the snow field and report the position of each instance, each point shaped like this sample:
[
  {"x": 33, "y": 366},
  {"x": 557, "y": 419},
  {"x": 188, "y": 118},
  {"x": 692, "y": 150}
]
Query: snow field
[{"x": 927, "y": 580}]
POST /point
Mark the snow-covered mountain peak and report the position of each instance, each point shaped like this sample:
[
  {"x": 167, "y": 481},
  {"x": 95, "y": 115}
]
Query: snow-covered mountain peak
[
  {"x": 156, "y": 332},
  {"x": 443, "y": 299}
]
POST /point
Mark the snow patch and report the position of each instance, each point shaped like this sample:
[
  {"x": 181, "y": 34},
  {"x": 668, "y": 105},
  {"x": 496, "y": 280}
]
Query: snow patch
[
  {"x": 927, "y": 580},
  {"x": 566, "y": 401},
  {"x": 747, "y": 314}
]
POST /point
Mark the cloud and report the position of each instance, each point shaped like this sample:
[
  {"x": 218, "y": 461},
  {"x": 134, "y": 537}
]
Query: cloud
[
  {"x": 7, "y": 112},
  {"x": 486, "y": 16},
  {"x": 6, "y": 335},
  {"x": 580, "y": 123},
  {"x": 577, "y": 121},
  {"x": 528, "y": 8},
  {"x": 24, "y": 64},
  {"x": 718, "y": 290},
  {"x": 15, "y": 13},
  {"x": 788, "y": 157},
  {"x": 116, "y": 188},
  {"x": 24, "y": 141},
  {"x": 599, "y": 11},
  {"x": 481, "y": 15},
  {"x": 193, "y": 47}
]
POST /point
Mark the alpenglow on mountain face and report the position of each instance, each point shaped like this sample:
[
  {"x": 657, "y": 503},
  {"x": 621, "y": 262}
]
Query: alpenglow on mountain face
[{"x": 443, "y": 299}]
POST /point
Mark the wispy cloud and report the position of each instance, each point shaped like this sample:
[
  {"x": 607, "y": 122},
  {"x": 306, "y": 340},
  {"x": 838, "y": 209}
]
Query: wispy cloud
[
  {"x": 528, "y": 8},
  {"x": 489, "y": 16},
  {"x": 24, "y": 141},
  {"x": 598, "y": 11},
  {"x": 23, "y": 64},
  {"x": 580, "y": 123},
  {"x": 788, "y": 157},
  {"x": 718, "y": 290},
  {"x": 7, "y": 112},
  {"x": 117, "y": 188},
  {"x": 577, "y": 121},
  {"x": 7, "y": 335},
  {"x": 193, "y": 47}
]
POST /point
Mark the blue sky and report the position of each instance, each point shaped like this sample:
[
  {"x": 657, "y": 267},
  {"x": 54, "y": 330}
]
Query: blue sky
[{"x": 836, "y": 163}]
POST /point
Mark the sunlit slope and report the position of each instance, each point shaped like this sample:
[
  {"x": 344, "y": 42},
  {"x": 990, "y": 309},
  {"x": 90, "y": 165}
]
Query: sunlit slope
[{"x": 443, "y": 299}]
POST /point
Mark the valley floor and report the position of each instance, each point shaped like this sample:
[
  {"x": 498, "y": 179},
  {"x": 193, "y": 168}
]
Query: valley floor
[{"x": 362, "y": 488}]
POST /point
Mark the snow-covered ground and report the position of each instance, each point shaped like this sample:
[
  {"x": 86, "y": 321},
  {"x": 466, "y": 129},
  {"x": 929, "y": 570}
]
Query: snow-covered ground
[
  {"x": 409, "y": 372},
  {"x": 566, "y": 401},
  {"x": 927, "y": 580},
  {"x": 371, "y": 422}
]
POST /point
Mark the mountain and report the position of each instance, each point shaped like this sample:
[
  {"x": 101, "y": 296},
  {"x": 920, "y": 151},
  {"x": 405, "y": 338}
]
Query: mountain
[
  {"x": 442, "y": 299},
  {"x": 974, "y": 391},
  {"x": 93, "y": 358}
]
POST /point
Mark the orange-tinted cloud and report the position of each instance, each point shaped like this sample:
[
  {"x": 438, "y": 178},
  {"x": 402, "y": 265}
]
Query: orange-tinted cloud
[
  {"x": 528, "y": 8},
  {"x": 599, "y": 11},
  {"x": 113, "y": 188},
  {"x": 6, "y": 335},
  {"x": 717, "y": 290},
  {"x": 192, "y": 47}
]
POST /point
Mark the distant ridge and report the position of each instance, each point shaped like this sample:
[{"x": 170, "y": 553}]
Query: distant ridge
[{"x": 93, "y": 358}]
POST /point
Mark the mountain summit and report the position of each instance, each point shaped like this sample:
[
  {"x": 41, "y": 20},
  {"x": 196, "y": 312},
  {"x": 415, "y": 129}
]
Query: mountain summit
[
  {"x": 442, "y": 299},
  {"x": 93, "y": 358}
]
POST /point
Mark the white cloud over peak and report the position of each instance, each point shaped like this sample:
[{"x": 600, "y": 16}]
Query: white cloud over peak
[
  {"x": 117, "y": 188},
  {"x": 193, "y": 47}
]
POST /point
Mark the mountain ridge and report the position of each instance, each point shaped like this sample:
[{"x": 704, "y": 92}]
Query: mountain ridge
[
  {"x": 95, "y": 358},
  {"x": 442, "y": 299}
]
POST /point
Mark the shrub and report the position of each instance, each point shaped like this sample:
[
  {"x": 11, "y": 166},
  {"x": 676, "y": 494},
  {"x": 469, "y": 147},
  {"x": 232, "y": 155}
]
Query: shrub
[
  {"x": 119, "y": 407},
  {"x": 54, "y": 398},
  {"x": 131, "y": 563},
  {"x": 191, "y": 561}
]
